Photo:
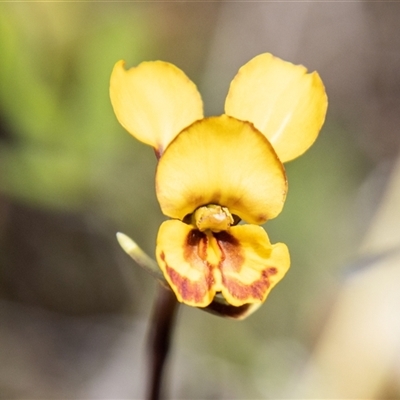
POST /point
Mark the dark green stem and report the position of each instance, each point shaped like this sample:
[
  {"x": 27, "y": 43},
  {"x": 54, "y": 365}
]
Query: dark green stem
[{"x": 161, "y": 331}]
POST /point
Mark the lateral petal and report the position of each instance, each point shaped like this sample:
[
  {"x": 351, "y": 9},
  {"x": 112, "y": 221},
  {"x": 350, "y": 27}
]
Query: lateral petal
[
  {"x": 282, "y": 101},
  {"x": 186, "y": 257},
  {"x": 154, "y": 101},
  {"x": 250, "y": 265},
  {"x": 223, "y": 161}
]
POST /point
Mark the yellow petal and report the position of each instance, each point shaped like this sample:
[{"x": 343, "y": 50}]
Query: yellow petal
[
  {"x": 250, "y": 266},
  {"x": 185, "y": 257},
  {"x": 223, "y": 161},
  {"x": 282, "y": 101},
  {"x": 154, "y": 101}
]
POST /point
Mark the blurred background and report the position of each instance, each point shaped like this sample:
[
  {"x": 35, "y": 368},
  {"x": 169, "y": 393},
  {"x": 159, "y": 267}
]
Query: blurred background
[{"x": 74, "y": 309}]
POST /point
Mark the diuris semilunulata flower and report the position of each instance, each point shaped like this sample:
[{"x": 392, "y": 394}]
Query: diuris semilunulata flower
[{"x": 217, "y": 171}]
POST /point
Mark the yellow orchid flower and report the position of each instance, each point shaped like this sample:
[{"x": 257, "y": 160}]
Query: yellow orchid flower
[{"x": 214, "y": 172}]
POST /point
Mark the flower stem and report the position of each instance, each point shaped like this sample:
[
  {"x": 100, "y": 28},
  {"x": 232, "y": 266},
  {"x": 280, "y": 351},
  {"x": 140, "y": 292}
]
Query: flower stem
[{"x": 161, "y": 331}]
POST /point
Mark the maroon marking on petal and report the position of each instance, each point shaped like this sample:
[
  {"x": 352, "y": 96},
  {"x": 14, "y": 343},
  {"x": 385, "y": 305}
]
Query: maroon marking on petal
[
  {"x": 194, "y": 237},
  {"x": 195, "y": 253},
  {"x": 233, "y": 260},
  {"x": 158, "y": 153},
  {"x": 232, "y": 257},
  {"x": 196, "y": 247},
  {"x": 272, "y": 271},
  {"x": 224, "y": 236},
  {"x": 191, "y": 290},
  {"x": 255, "y": 290}
]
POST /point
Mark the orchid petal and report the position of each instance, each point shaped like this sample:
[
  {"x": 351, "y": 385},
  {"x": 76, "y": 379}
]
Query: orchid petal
[
  {"x": 250, "y": 266},
  {"x": 282, "y": 101},
  {"x": 154, "y": 101},
  {"x": 185, "y": 257},
  {"x": 224, "y": 161}
]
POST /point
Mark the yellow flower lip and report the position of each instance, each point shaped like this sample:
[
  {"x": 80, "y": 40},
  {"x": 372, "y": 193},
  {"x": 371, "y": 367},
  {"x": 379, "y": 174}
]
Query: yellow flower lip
[
  {"x": 240, "y": 264},
  {"x": 219, "y": 306}
]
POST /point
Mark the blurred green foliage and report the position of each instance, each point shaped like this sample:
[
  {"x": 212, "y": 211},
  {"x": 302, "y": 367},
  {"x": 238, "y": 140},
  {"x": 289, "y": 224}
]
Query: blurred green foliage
[{"x": 55, "y": 68}]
